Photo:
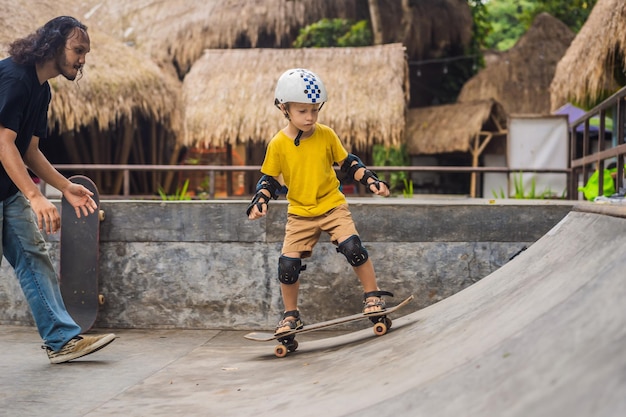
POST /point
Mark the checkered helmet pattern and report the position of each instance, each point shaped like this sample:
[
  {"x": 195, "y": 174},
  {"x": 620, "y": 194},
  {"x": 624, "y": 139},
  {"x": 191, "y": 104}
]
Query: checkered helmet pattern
[{"x": 299, "y": 85}]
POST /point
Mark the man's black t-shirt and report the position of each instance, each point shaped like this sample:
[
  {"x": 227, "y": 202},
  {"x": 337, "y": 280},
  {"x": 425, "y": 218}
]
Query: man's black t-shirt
[{"x": 23, "y": 109}]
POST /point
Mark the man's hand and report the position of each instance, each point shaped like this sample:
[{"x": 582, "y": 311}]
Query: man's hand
[
  {"x": 48, "y": 219},
  {"x": 80, "y": 198}
]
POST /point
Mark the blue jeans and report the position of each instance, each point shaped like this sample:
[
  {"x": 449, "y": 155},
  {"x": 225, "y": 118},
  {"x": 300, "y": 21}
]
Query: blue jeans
[{"x": 25, "y": 249}]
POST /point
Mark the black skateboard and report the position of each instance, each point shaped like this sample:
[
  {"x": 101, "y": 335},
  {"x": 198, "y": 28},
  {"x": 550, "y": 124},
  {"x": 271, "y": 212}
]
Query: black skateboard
[
  {"x": 288, "y": 342},
  {"x": 79, "y": 254}
]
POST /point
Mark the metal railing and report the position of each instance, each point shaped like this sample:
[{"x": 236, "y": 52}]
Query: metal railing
[
  {"x": 584, "y": 165},
  {"x": 211, "y": 171}
]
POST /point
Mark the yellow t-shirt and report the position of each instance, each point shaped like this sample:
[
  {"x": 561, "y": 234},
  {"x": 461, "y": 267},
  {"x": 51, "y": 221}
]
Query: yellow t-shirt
[{"x": 307, "y": 170}]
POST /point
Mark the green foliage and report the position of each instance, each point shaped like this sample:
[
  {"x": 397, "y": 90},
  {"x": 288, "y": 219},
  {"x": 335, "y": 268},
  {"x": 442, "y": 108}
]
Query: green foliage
[
  {"x": 180, "y": 194},
  {"x": 573, "y": 13},
  {"x": 508, "y": 20},
  {"x": 334, "y": 32},
  {"x": 392, "y": 156},
  {"x": 521, "y": 193},
  {"x": 408, "y": 188},
  {"x": 358, "y": 35},
  {"x": 480, "y": 29},
  {"x": 502, "y": 194},
  {"x": 506, "y": 25}
]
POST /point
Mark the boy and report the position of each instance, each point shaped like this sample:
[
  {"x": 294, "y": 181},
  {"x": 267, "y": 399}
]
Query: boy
[{"x": 301, "y": 157}]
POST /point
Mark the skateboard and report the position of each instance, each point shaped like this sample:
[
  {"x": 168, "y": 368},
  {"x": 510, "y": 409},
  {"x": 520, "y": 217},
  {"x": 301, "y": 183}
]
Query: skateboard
[
  {"x": 79, "y": 255},
  {"x": 288, "y": 342}
]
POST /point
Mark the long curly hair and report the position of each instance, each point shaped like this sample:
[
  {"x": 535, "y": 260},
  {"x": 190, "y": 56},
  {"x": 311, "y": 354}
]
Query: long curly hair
[{"x": 46, "y": 42}]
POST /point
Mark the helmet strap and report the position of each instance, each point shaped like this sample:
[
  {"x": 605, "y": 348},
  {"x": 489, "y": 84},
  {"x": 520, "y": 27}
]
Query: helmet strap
[{"x": 296, "y": 141}]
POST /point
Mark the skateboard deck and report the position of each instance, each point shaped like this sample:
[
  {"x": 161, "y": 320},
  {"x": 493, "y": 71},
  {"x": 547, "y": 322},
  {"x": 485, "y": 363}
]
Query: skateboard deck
[
  {"x": 289, "y": 344},
  {"x": 79, "y": 253}
]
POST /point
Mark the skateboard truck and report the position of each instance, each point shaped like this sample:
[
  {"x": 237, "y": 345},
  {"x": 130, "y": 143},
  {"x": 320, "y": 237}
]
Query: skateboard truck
[{"x": 287, "y": 344}]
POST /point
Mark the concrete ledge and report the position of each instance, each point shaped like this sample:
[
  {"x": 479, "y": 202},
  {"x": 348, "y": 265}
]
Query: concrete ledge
[{"x": 203, "y": 265}]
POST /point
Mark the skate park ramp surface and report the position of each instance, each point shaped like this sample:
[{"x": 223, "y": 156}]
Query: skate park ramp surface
[{"x": 544, "y": 335}]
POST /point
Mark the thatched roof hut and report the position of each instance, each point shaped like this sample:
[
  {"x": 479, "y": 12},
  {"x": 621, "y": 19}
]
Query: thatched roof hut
[
  {"x": 175, "y": 33},
  {"x": 593, "y": 66},
  {"x": 120, "y": 87},
  {"x": 520, "y": 79},
  {"x": 229, "y": 94},
  {"x": 118, "y": 82},
  {"x": 467, "y": 127},
  {"x": 453, "y": 127}
]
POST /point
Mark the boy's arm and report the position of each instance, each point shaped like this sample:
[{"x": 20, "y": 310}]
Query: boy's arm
[
  {"x": 354, "y": 168},
  {"x": 266, "y": 189}
]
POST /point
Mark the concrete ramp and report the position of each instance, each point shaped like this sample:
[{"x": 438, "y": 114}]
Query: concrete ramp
[{"x": 545, "y": 335}]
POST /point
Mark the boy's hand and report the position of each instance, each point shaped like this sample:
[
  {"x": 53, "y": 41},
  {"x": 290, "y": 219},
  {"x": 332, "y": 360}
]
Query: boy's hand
[
  {"x": 379, "y": 188},
  {"x": 255, "y": 213}
]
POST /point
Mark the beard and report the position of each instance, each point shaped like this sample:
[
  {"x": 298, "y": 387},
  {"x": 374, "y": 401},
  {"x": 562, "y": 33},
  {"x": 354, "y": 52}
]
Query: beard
[{"x": 66, "y": 69}]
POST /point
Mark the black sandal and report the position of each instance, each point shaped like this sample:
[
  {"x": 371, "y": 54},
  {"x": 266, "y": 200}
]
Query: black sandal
[
  {"x": 294, "y": 324},
  {"x": 375, "y": 301}
]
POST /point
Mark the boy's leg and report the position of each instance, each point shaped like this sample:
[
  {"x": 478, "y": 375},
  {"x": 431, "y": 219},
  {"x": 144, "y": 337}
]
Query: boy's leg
[
  {"x": 289, "y": 270},
  {"x": 367, "y": 276},
  {"x": 343, "y": 233},
  {"x": 372, "y": 301},
  {"x": 290, "y": 295},
  {"x": 301, "y": 235}
]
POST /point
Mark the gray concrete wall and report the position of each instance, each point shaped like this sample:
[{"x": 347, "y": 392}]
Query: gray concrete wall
[{"x": 203, "y": 265}]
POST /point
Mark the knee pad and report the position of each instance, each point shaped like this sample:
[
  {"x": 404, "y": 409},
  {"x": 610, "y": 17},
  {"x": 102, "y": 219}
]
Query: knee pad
[
  {"x": 289, "y": 269},
  {"x": 353, "y": 250}
]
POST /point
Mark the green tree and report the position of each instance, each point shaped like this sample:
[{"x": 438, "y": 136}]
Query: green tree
[
  {"x": 573, "y": 13},
  {"x": 510, "y": 19},
  {"x": 334, "y": 32},
  {"x": 505, "y": 18}
]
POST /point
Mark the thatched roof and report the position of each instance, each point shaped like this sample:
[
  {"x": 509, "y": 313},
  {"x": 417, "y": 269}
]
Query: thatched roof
[
  {"x": 118, "y": 81},
  {"x": 520, "y": 79},
  {"x": 587, "y": 71},
  {"x": 178, "y": 31},
  {"x": 452, "y": 127},
  {"x": 229, "y": 94}
]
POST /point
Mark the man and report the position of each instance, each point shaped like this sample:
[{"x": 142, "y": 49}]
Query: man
[{"x": 57, "y": 48}]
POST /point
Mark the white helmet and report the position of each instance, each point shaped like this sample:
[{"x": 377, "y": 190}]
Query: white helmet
[{"x": 299, "y": 85}]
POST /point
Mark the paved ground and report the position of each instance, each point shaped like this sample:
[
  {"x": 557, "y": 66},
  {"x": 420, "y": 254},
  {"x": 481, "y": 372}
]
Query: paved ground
[{"x": 545, "y": 335}]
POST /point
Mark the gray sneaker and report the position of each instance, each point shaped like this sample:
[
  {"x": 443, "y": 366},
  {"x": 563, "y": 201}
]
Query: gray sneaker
[{"x": 79, "y": 346}]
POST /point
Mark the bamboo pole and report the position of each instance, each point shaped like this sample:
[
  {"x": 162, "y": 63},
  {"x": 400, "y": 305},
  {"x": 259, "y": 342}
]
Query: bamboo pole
[
  {"x": 70, "y": 146},
  {"x": 127, "y": 142},
  {"x": 153, "y": 153}
]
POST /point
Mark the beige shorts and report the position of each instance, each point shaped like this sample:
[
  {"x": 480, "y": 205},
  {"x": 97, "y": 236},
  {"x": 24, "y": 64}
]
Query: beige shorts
[{"x": 302, "y": 233}]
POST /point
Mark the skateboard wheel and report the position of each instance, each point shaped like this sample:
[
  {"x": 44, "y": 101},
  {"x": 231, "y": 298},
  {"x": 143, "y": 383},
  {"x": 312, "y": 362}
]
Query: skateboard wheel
[
  {"x": 380, "y": 329},
  {"x": 280, "y": 351},
  {"x": 101, "y": 215},
  {"x": 101, "y": 299}
]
